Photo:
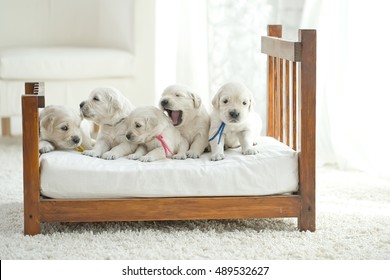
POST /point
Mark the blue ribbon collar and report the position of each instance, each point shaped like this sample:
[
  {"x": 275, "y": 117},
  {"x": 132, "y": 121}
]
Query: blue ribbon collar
[{"x": 220, "y": 132}]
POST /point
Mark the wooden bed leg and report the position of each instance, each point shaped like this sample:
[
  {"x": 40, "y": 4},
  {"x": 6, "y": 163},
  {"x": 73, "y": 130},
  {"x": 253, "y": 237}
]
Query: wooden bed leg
[
  {"x": 307, "y": 157},
  {"x": 6, "y": 126},
  {"x": 32, "y": 224}
]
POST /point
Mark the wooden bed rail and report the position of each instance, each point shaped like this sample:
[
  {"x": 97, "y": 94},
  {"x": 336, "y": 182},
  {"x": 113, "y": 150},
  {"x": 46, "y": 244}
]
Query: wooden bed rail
[{"x": 292, "y": 105}]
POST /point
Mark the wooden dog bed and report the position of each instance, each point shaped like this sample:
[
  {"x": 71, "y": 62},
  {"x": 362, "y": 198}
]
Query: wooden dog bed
[{"x": 291, "y": 120}]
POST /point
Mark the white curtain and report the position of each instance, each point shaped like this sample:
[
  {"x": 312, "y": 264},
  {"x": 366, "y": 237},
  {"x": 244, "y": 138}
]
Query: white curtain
[
  {"x": 234, "y": 28},
  {"x": 181, "y": 45},
  {"x": 207, "y": 43},
  {"x": 353, "y": 96}
]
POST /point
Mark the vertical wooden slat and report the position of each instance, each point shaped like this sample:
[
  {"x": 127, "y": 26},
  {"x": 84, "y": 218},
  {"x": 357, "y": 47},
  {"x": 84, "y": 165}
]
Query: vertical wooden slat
[
  {"x": 287, "y": 91},
  {"x": 31, "y": 163},
  {"x": 294, "y": 106},
  {"x": 307, "y": 93},
  {"x": 277, "y": 99},
  {"x": 281, "y": 101},
  {"x": 274, "y": 31},
  {"x": 271, "y": 102}
]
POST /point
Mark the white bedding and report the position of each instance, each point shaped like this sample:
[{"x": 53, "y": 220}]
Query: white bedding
[{"x": 71, "y": 175}]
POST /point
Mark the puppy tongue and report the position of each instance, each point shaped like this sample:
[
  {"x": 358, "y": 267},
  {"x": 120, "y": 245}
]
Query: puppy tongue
[{"x": 175, "y": 115}]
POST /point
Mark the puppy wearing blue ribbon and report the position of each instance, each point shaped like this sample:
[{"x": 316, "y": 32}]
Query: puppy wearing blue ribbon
[{"x": 233, "y": 121}]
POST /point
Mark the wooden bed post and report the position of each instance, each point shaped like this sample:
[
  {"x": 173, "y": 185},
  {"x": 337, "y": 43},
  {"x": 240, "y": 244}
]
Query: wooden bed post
[
  {"x": 283, "y": 55},
  {"x": 30, "y": 119},
  {"x": 307, "y": 160}
]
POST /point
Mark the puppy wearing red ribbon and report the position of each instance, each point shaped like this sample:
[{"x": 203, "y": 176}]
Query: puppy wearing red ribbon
[{"x": 155, "y": 135}]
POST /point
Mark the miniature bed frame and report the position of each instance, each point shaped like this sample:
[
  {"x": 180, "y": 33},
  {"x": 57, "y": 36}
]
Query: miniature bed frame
[{"x": 291, "y": 120}]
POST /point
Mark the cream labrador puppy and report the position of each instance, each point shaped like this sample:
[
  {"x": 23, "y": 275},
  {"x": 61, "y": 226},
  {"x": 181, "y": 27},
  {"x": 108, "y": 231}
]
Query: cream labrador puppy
[
  {"x": 155, "y": 134},
  {"x": 62, "y": 128},
  {"x": 188, "y": 115},
  {"x": 107, "y": 107},
  {"x": 233, "y": 121}
]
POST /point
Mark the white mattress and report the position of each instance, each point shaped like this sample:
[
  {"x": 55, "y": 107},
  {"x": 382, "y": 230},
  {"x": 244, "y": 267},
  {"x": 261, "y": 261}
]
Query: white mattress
[{"x": 74, "y": 176}]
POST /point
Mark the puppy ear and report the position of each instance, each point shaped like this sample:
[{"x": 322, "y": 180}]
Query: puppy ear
[
  {"x": 151, "y": 122},
  {"x": 115, "y": 103},
  {"x": 196, "y": 99},
  {"x": 251, "y": 104},
  {"x": 215, "y": 100},
  {"x": 47, "y": 122}
]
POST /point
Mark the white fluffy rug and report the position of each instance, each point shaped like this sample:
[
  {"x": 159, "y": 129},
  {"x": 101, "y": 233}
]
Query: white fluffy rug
[{"x": 353, "y": 222}]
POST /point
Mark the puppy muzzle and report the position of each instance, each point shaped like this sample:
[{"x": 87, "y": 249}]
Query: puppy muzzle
[
  {"x": 129, "y": 136},
  {"x": 234, "y": 116},
  {"x": 76, "y": 139}
]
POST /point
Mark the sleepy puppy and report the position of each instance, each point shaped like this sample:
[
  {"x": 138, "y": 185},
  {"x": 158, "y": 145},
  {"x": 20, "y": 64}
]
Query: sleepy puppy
[
  {"x": 156, "y": 136},
  {"x": 62, "y": 128},
  {"x": 188, "y": 115},
  {"x": 233, "y": 121},
  {"x": 107, "y": 107}
]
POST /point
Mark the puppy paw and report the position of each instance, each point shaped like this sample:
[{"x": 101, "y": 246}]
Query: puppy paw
[
  {"x": 109, "y": 156},
  {"x": 133, "y": 156},
  {"x": 91, "y": 153},
  {"x": 146, "y": 159},
  {"x": 192, "y": 154},
  {"x": 179, "y": 156},
  {"x": 217, "y": 157},
  {"x": 251, "y": 151},
  {"x": 46, "y": 148}
]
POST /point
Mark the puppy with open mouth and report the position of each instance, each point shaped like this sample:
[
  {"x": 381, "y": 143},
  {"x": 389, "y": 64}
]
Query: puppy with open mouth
[
  {"x": 188, "y": 115},
  {"x": 108, "y": 107},
  {"x": 156, "y": 137},
  {"x": 233, "y": 121},
  {"x": 62, "y": 128}
]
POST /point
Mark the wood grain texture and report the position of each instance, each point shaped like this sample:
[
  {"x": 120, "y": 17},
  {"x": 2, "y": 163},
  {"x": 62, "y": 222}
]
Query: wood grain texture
[
  {"x": 294, "y": 107},
  {"x": 31, "y": 165},
  {"x": 271, "y": 98},
  {"x": 287, "y": 91},
  {"x": 307, "y": 161},
  {"x": 31, "y": 101},
  {"x": 274, "y": 31},
  {"x": 150, "y": 209}
]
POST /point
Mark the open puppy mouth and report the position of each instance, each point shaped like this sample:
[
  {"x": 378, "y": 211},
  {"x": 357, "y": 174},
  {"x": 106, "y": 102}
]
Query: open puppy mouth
[{"x": 176, "y": 116}]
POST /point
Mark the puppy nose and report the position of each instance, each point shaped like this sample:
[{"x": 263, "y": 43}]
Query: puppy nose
[
  {"x": 164, "y": 102},
  {"x": 234, "y": 114},
  {"x": 76, "y": 139},
  {"x": 128, "y": 136},
  {"x": 82, "y": 104}
]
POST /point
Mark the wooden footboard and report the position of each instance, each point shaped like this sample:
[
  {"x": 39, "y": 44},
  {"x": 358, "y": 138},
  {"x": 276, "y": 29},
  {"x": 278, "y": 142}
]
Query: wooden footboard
[
  {"x": 291, "y": 120},
  {"x": 292, "y": 106}
]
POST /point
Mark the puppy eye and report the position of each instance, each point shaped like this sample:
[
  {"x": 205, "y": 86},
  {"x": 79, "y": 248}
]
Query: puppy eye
[
  {"x": 138, "y": 125},
  {"x": 225, "y": 101},
  {"x": 96, "y": 99},
  {"x": 244, "y": 103},
  {"x": 177, "y": 95},
  {"x": 64, "y": 128}
]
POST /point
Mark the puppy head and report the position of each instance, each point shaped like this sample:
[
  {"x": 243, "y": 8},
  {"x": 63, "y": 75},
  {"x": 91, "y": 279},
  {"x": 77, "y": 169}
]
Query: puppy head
[
  {"x": 145, "y": 123},
  {"x": 180, "y": 103},
  {"x": 105, "y": 105},
  {"x": 233, "y": 101},
  {"x": 61, "y": 126}
]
